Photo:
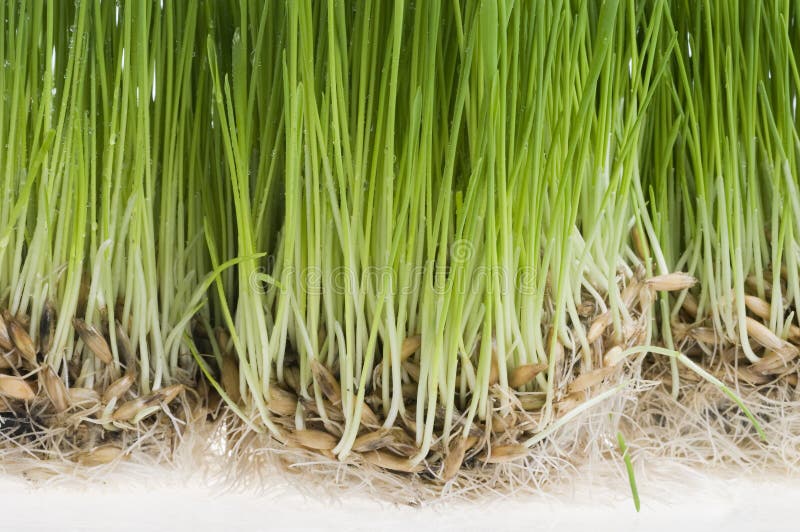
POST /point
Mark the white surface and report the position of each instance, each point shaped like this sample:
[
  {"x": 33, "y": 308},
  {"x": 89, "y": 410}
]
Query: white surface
[{"x": 751, "y": 505}]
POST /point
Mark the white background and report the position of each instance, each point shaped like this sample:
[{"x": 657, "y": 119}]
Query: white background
[{"x": 687, "y": 502}]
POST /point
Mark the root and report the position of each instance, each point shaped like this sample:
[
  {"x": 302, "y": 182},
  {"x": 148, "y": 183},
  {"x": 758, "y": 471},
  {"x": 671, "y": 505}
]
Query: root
[{"x": 50, "y": 430}]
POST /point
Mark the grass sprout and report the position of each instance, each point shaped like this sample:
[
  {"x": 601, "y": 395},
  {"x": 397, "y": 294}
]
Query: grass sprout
[{"x": 431, "y": 240}]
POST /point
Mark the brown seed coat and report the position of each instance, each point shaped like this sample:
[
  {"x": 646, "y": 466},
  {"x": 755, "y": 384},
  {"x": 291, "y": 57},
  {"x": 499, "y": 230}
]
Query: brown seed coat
[
  {"x": 101, "y": 455},
  {"x": 315, "y": 439},
  {"x": 392, "y": 462},
  {"x": 454, "y": 458},
  {"x": 327, "y": 382},
  {"x": 22, "y": 341},
  {"x": 372, "y": 440},
  {"x": 524, "y": 374},
  {"x": 93, "y": 340},
  {"x": 586, "y": 380},
  {"x": 761, "y": 334},
  {"x": 118, "y": 388},
  {"x": 671, "y": 282},
  {"x": 501, "y": 454},
  {"x": 230, "y": 378},
  {"x": 55, "y": 388},
  {"x": 47, "y": 327},
  {"x": 757, "y": 306},
  {"x": 5, "y": 339},
  {"x": 281, "y": 402},
  {"x": 16, "y": 388},
  {"x": 410, "y": 346},
  {"x": 613, "y": 356},
  {"x": 82, "y": 395},
  {"x": 125, "y": 348}
]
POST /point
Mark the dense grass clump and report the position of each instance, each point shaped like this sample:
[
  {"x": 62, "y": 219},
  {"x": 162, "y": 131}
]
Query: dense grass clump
[{"x": 468, "y": 241}]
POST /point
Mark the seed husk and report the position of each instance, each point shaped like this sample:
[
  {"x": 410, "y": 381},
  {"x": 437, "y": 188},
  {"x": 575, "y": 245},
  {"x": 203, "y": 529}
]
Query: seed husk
[
  {"x": 331, "y": 411},
  {"x": 10, "y": 360},
  {"x": 410, "y": 346},
  {"x": 104, "y": 454},
  {"x": 475, "y": 435},
  {"x": 47, "y": 327},
  {"x": 223, "y": 339},
  {"x": 401, "y": 443},
  {"x": 377, "y": 382},
  {"x": 315, "y": 439},
  {"x": 761, "y": 334},
  {"x": 690, "y": 305},
  {"x": 230, "y": 378},
  {"x": 16, "y": 388},
  {"x": 613, "y": 356},
  {"x": 454, "y": 458},
  {"x": 412, "y": 370},
  {"x": 5, "y": 339},
  {"x": 129, "y": 409},
  {"x": 754, "y": 284},
  {"x": 532, "y": 401},
  {"x": 281, "y": 402},
  {"x": 291, "y": 377},
  {"x": 410, "y": 389},
  {"x": 118, "y": 388},
  {"x": 392, "y": 462},
  {"x": 671, "y": 282},
  {"x": 524, "y": 374},
  {"x": 646, "y": 299},
  {"x": 503, "y": 423},
  {"x": 598, "y": 326},
  {"x": 704, "y": 335},
  {"x": 751, "y": 377},
  {"x": 93, "y": 340},
  {"x": 494, "y": 370},
  {"x": 757, "y": 306},
  {"x": 501, "y": 454},
  {"x": 774, "y": 362},
  {"x": 168, "y": 393},
  {"x": 125, "y": 348},
  {"x": 132, "y": 408},
  {"x": 372, "y": 440},
  {"x": 55, "y": 388},
  {"x": 587, "y": 380},
  {"x": 327, "y": 382},
  {"x": 570, "y": 402},
  {"x": 630, "y": 292},
  {"x": 794, "y": 333},
  {"x": 680, "y": 330},
  {"x": 22, "y": 341},
  {"x": 79, "y": 396},
  {"x": 639, "y": 243},
  {"x": 368, "y": 417},
  {"x": 409, "y": 420}
]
